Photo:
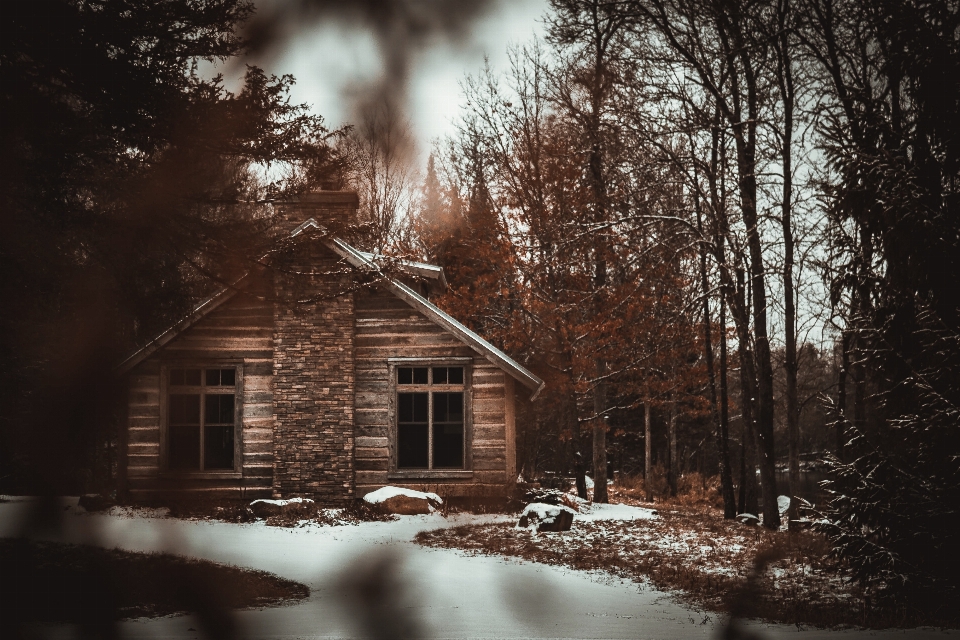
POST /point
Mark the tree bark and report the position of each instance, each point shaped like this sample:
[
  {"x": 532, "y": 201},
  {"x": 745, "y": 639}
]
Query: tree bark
[
  {"x": 648, "y": 449},
  {"x": 786, "y": 86},
  {"x": 674, "y": 467},
  {"x": 723, "y": 454}
]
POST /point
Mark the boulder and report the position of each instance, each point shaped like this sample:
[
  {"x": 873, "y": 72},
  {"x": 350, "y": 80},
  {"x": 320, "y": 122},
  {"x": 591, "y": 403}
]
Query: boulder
[
  {"x": 783, "y": 504},
  {"x": 273, "y": 508},
  {"x": 404, "y": 502},
  {"x": 546, "y": 517}
]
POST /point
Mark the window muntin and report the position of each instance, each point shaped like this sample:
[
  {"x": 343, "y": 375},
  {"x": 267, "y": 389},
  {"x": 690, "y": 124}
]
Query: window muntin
[
  {"x": 201, "y": 419},
  {"x": 430, "y": 418}
]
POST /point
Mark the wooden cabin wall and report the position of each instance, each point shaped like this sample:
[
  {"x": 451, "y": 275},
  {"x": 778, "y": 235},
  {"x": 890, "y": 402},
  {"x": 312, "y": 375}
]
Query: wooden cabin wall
[
  {"x": 240, "y": 329},
  {"x": 387, "y": 327}
]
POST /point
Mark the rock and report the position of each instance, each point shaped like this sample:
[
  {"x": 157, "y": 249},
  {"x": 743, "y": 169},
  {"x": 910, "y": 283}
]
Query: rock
[
  {"x": 783, "y": 504},
  {"x": 546, "y": 517},
  {"x": 95, "y": 502},
  {"x": 405, "y": 505},
  {"x": 273, "y": 508},
  {"x": 404, "y": 502},
  {"x": 748, "y": 519}
]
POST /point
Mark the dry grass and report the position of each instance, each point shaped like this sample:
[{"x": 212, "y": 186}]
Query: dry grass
[{"x": 712, "y": 563}]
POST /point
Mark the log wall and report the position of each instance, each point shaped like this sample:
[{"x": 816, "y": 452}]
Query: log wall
[
  {"x": 388, "y": 328},
  {"x": 239, "y": 331}
]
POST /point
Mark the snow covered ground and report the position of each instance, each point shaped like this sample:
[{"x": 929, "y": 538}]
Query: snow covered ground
[{"x": 451, "y": 595}]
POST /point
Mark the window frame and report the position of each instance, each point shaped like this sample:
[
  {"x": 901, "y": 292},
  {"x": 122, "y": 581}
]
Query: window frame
[
  {"x": 165, "y": 390},
  {"x": 394, "y": 389}
]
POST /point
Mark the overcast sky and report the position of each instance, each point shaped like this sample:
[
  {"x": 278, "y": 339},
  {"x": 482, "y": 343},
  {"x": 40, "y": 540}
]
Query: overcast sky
[{"x": 331, "y": 57}]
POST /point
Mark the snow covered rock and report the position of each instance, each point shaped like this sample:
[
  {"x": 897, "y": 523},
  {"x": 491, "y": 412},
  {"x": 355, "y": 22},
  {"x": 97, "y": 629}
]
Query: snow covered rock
[
  {"x": 546, "y": 517},
  {"x": 748, "y": 519},
  {"x": 270, "y": 508},
  {"x": 783, "y": 504},
  {"x": 401, "y": 501}
]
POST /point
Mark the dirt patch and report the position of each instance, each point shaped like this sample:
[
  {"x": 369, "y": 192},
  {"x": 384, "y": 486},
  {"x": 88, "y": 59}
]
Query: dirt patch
[
  {"x": 710, "y": 562},
  {"x": 50, "y": 582}
]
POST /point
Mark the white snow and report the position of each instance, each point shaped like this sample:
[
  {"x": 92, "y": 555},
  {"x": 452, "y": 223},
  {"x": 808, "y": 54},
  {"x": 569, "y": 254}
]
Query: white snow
[
  {"x": 282, "y": 503},
  {"x": 452, "y": 594},
  {"x": 783, "y": 504},
  {"x": 589, "y": 482},
  {"x": 546, "y": 513},
  {"x": 598, "y": 511},
  {"x": 385, "y": 493}
]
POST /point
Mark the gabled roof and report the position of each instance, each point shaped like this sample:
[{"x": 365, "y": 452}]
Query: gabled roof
[
  {"x": 365, "y": 262},
  {"x": 440, "y": 317}
]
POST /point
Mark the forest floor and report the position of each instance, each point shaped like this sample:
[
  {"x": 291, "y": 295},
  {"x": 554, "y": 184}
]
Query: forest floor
[{"x": 718, "y": 566}]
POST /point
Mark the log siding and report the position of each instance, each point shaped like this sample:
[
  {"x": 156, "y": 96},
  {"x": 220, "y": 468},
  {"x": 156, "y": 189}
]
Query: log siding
[
  {"x": 389, "y": 332},
  {"x": 236, "y": 334}
]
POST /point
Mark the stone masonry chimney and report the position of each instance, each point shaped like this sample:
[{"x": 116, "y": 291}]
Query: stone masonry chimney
[{"x": 313, "y": 357}]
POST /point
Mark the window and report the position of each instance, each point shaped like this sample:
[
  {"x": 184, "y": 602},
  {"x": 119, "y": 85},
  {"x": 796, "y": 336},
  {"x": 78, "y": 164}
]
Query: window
[
  {"x": 201, "y": 419},
  {"x": 430, "y": 417}
]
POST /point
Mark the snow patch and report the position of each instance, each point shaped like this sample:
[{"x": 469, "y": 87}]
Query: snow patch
[{"x": 598, "y": 511}]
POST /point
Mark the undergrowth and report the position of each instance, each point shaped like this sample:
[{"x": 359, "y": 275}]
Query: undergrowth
[{"x": 710, "y": 562}]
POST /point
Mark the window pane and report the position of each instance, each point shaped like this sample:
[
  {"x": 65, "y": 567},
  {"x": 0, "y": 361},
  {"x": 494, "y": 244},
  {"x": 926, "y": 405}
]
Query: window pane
[
  {"x": 420, "y": 375},
  {"x": 448, "y": 407},
  {"x": 218, "y": 409},
  {"x": 404, "y": 375},
  {"x": 184, "y": 449},
  {"x": 448, "y": 430},
  {"x": 218, "y": 447},
  {"x": 412, "y": 446},
  {"x": 184, "y": 408},
  {"x": 439, "y": 375},
  {"x": 412, "y": 407},
  {"x": 176, "y": 377},
  {"x": 213, "y": 377},
  {"x": 191, "y": 377},
  {"x": 447, "y": 446},
  {"x": 455, "y": 375},
  {"x": 228, "y": 377}
]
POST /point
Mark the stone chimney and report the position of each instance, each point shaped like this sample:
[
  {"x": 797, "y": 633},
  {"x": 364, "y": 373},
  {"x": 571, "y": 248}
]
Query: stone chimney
[
  {"x": 334, "y": 210},
  {"x": 313, "y": 367}
]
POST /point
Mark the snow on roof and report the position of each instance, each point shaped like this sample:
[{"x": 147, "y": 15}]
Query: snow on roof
[{"x": 385, "y": 493}]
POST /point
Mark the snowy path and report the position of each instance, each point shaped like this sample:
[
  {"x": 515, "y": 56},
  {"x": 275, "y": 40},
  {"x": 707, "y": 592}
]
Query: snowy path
[{"x": 454, "y": 596}]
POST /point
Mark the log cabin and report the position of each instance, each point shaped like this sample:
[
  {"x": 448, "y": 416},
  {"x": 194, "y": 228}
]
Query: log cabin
[{"x": 322, "y": 375}]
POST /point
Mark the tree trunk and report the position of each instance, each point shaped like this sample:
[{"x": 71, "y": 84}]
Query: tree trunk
[
  {"x": 723, "y": 455},
  {"x": 600, "y": 439},
  {"x": 648, "y": 449},
  {"x": 726, "y": 474},
  {"x": 841, "y": 409},
  {"x": 748, "y": 402},
  {"x": 674, "y": 468}
]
